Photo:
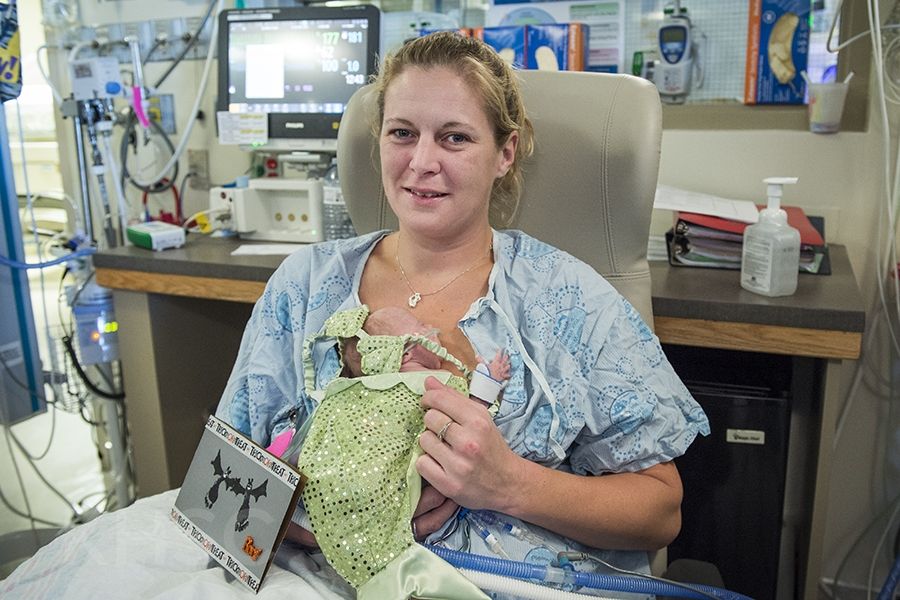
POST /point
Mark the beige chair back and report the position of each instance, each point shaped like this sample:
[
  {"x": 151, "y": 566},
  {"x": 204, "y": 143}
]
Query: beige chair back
[{"x": 589, "y": 186}]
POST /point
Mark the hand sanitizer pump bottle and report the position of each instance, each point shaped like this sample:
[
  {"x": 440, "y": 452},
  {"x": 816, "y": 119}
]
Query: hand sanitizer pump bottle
[{"x": 771, "y": 249}]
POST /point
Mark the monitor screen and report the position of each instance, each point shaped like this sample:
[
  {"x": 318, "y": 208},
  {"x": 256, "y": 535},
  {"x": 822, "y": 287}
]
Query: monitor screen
[{"x": 298, "y": 65}]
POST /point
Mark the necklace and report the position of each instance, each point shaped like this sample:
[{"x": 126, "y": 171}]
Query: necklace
[{"x": 415, "y": 297}]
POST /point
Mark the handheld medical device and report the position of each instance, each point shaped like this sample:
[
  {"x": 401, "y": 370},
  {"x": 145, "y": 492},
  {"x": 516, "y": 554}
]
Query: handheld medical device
[{"x": 673, "y": 72}]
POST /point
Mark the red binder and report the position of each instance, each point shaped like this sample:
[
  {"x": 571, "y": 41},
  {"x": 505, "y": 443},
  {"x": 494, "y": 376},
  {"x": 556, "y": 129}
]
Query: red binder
[{"x": 795, "y": 216}]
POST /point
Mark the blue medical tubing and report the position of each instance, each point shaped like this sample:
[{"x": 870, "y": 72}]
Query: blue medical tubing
[
  {"x": 613, "y": 583},
  {"x": 20, "y": 265},
  {"x": 890, "y": 584}
]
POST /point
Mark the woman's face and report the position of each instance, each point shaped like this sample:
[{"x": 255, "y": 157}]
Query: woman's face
[{"x": 439, "y": 159}]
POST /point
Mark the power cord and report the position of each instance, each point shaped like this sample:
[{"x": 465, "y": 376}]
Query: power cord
[
  {"x": 887, "y": 307},
  {"x": 187, "y": 47},
  {"x": 130, "y": 138},
  {"x": 878, "y": 546},
  {"x": 70, "y": 350},
  {"x": 889, "y": 509}
]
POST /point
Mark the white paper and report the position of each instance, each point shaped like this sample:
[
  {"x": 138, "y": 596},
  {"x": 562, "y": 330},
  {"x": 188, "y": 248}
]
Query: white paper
[
  {"x": 242, "y": 128},
  {"x": 265, "y": 249},
  {"x": 671, "y": 198}
]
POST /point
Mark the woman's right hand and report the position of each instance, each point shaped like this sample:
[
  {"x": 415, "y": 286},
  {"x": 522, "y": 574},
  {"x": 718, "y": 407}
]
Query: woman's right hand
[{"x": 432, "y": 512}]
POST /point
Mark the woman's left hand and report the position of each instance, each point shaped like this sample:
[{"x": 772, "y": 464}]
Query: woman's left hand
[{"x": 465, "y": 457}]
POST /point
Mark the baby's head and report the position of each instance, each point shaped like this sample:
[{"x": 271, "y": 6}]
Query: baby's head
[{"x": 393, "y": 320}]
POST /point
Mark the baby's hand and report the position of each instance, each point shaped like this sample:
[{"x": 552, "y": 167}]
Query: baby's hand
[
  {"x": 499, "y": 366},
  {"x": 489, "y": 379}
]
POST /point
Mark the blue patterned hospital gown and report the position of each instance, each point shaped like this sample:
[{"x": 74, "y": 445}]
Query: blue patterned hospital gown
[{"x": 590, "y": 390}]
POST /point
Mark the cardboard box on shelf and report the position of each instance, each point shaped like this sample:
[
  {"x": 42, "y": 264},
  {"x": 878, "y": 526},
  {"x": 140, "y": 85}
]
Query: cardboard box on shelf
[
  {"x": 509, "y": 42},
  {"x": 557, "y": 46},
  {"x": 777, "y": 51},
  {"x": 605, "y": 20}
]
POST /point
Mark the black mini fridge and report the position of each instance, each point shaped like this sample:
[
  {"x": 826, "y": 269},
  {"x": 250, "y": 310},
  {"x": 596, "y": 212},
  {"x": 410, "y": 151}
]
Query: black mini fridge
[{"x": 734, "y": 483}]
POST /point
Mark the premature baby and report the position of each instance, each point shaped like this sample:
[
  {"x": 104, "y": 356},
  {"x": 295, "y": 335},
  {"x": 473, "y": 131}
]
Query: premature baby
[{"x": 487, "y": 380}]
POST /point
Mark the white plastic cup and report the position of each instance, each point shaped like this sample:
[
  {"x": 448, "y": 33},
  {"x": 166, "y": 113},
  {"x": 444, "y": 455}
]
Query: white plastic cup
[{"x": 826, "y": 105}]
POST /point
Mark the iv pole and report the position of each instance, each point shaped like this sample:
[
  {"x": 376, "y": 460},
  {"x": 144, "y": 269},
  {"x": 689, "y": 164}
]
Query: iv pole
[{"x": 76, "y": 111}]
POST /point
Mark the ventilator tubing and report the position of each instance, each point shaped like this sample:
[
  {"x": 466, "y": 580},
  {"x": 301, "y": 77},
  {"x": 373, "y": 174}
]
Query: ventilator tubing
[
  {"x": 614, "y": 583},
  {"x": 891, "y": 583}
]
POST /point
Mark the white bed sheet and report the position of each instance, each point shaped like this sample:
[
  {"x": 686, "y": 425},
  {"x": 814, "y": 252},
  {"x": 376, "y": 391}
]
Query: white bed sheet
[{"x": 139, "y": 553}]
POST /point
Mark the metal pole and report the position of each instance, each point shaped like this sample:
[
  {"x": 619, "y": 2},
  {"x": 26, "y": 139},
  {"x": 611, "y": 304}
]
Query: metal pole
[
  {"x": 117, "y": 454},
  {"x": 82, "y": 167}
]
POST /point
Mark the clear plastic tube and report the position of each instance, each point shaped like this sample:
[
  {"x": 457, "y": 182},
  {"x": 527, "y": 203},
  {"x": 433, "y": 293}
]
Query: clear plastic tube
[
  {"x": 485, "y": 534},
  {"x": 21, "y": 265},
  {"x": 491, "y": 518}
]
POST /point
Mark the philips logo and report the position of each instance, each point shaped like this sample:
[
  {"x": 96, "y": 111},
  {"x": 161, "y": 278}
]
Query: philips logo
[{"x": 294, "y": 125}]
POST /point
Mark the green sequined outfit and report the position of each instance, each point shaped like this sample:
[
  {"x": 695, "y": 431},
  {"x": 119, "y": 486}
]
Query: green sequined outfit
[{"x": 359, "y": 460}]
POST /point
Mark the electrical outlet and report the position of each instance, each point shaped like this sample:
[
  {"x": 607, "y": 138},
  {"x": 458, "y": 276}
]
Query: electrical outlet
[{"x": 198, "y": 164}]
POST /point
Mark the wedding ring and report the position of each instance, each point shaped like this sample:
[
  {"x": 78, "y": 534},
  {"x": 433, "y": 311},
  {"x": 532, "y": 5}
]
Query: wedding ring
[
  {"x": 443, "y": 431},
  {"x": 414, "y": 532}
]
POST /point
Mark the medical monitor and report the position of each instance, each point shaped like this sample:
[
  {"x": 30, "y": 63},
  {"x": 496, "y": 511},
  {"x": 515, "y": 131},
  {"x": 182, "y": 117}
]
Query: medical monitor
[{"x": 298, "y": 65}]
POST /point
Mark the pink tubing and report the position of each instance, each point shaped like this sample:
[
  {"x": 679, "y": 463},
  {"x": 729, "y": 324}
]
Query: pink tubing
[{"x": 139, "y": 106}]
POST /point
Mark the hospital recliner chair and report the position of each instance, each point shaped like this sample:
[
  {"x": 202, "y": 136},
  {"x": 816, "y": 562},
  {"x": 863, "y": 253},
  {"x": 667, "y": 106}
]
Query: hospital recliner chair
[{"x": 589, "y": 186}]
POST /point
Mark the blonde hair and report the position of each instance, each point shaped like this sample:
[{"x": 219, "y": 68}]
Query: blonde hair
[{"x": 492, "y": 78}]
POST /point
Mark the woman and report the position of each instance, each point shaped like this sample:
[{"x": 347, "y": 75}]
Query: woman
[{"x": 592, "y": 415}]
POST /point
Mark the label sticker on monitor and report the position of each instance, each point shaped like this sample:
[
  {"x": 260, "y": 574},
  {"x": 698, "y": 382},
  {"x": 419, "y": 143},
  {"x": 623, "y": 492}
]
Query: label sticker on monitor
[{"x": 242, "y": 128}]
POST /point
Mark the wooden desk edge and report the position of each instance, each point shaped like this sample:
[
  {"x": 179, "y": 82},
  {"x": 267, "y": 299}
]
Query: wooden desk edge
[
  {"x": 181, "y": 285},
  {"x": 795, "y": 341},
  {"x": 754, "y": 337}
]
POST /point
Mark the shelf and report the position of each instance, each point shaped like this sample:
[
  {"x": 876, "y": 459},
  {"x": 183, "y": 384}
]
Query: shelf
[{"x": 741, "y": 117}]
